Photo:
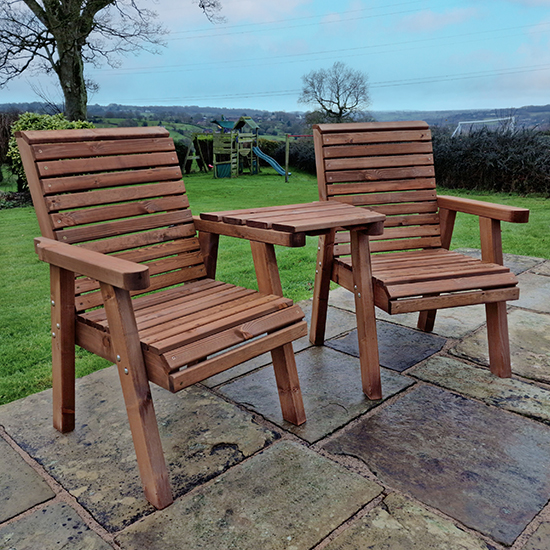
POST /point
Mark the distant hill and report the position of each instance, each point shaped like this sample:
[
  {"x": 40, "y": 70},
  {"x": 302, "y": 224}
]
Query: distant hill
[{"x": 528, "y": 116}]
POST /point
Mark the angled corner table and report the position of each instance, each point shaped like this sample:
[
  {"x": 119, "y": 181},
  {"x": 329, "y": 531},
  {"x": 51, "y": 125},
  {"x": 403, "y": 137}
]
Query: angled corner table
[{"x": 288, "y": 226}]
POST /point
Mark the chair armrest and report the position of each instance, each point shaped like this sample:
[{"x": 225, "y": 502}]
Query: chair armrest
[
  {"x": 484, "y": 209},
  {"x": 106, "y": 269},
  {"x": 266, "y": 236}
]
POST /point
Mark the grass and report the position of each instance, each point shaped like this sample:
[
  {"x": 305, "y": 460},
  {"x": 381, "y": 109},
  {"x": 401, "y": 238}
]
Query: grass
[{"x": 24, "y": 294}]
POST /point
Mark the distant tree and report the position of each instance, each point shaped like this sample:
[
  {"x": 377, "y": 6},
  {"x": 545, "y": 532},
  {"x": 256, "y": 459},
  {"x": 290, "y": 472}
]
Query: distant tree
[
  {"x": 339, "y": 92},
  {"x": 60, "y": 36}
]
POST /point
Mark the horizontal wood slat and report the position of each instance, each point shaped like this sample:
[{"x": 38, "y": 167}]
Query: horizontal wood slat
[
  {"x": 376, "y": 199},
  {"x": 376, "y": 137},
  {"x": 39, "y": 137},
  {"x": 379, "y": 186},
  {"x": 345, "y": 176},
  {"x": 120, "y": 227},
  {"x": 410, "y": 148},
  {"x": 390, "y": 161},
  {"x": 49, "y": 151},
  {"x": 120, "y": 194},
  {"x": 110, "y": 179},
  {"x": 52, "y": 168}
]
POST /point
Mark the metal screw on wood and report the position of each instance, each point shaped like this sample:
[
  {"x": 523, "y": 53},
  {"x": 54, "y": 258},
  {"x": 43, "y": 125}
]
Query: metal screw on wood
[
  {"x": 53, "y": 303},
  {"x": 125, "y": 370},
  {"x": 118, "y": 358},
  {"x": 53, "y": 334}
]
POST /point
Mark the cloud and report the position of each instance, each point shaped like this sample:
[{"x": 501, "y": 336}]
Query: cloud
[{"x": 428, "y": 20}]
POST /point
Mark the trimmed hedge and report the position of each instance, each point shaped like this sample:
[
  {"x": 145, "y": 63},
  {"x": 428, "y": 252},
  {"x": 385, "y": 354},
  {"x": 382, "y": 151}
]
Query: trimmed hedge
[{"x": 489, "y": 160}]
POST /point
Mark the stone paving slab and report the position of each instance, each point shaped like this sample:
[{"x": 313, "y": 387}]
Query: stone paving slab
[
  {"x": 401, "y": 524},
  {"x": 338, "y": 322},
  {"x": 534, "y": 292},
  {"x": 516, "y": 264},
  {"x": 51, "y": 528},
  {"x": 286, "y": 497},
  {"x": 455, "y": 322},
  {"x": 202, "y": 436},
  {"x": 540, "y": 539},
  {"x": 331, "y": 389},
  {"x": 507, "y": 393},
  {"x": 399, "y": 347},
  {"x": 529, "y": 345},
  {"x": 21, "y": 487},
  {"x": 542, "y": 269},
  {"x": 485, "y": 467}
]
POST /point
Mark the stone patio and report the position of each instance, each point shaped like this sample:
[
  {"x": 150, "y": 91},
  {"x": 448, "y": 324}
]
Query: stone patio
[{"x": 452, "y": 458}]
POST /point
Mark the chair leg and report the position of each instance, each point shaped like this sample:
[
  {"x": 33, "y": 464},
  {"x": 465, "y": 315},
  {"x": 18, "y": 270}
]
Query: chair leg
[
  {"x": 321, "y": 289},
  {"x": 63, "y": 352},
  {"x": 137, "y": 396},
  {"x": 288, "y": 384},
  {"x": 498, "y": 339},
  {"x": 366, "y": 320},
  {"x": 426, "y": 320}
]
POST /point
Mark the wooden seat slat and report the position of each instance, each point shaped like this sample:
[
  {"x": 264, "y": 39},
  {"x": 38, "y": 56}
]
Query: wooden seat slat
[
  {"x": 245, "y": 315},
  {"x": 246, "y": 212},
  {"x": 52, "y": 168},
  {"x": 403, "y": 208},
  {"x": 161, "y": 250},
  {"x": 398, "y": 197},
  {"x": 119, "y": 194},
  {"x": 376, "y": 163},
  {"x": 109, "y": 179},
  {"x": 233, "y": 336},
  {"x": 49, "y": 151}
]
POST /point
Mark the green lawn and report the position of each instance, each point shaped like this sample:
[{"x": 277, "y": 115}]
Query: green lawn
[{"x": 24, "y": 294}]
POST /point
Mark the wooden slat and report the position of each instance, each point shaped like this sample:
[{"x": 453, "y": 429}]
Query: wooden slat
[
  {"x": 140, "y": 239},
  {"x": 120, "y": 194},
  {"x": 111, "y": 229},
  {"x": 113, "y": 179},
  {"x": 189, "y": 245},
  {"x": 114, "y": 212},
  {"x": 233, "y": 336},
  {"x": 389, "y": 161},
  {"x": 49, "y": 151},
  {"x": 332, "y": 128},
  {"x": 90, "y": 134},
  {"x": 376, "y": 199},
  {"x": 379, "y": 186},
  {"x": 380, "y": 174},
  {"x": 52, "y": 168},
  {"x": 240, "y": 215},
  {"x": 346, "y": 138},
  {"x": 405, "y": 244},
  {"x": 413, "y": 147}
]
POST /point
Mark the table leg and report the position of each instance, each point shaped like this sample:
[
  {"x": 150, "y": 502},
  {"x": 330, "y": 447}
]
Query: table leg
[
  {"x": 209, "y": 248},
  {"x": 366, "y": 320},
  {"x": 284, "y": 362}
]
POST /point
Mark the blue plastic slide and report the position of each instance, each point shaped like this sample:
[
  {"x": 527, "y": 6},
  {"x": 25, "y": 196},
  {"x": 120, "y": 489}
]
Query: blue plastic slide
[{"x": 278, "y": 168}]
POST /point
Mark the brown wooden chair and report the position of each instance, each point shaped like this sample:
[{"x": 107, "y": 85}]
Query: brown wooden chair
[
  {"x": 128, "y": 281},
  {"x": 388, "y": 167}
]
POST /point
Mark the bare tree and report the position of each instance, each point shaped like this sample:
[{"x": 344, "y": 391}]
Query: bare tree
[
  {"x": 61, "y": 36},
  {"x": 340, "y": 92}
]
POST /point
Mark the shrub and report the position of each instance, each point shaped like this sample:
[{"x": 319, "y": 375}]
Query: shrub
[
  {"x": 488, "y": 160},
  {"x": 301, "y": 155},
  {"x": 33, "y": 121}
]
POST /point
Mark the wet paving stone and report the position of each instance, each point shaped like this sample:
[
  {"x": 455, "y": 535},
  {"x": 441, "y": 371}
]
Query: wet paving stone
[
  {"x": 540, "y": 540},
  {"x": 338, "y": 322},
  {"x": 484, "y": 467},
  {"x": 331, "y": 389},
  {"x": 507, "y": 393},
  {"x": 202, "y": 436},
  {"x": 399, "y": 347},
  {"x": 286, "y": 497},
  {"x": 21, "y": 487},
  {"x": 529, "y": 345},
  {"x": 534, "y": 292},
  {"x": 401, "y": 524},
  {"x": 51, "y": 528}
]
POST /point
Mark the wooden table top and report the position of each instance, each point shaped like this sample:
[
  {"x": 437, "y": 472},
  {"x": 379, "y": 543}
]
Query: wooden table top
[{"x": 311, "y": 217}]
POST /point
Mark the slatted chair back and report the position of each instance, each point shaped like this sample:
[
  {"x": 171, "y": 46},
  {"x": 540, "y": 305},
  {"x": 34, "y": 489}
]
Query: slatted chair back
[
  {"x": 115, "y": 191},
  {"x": 387, "y": 167}
]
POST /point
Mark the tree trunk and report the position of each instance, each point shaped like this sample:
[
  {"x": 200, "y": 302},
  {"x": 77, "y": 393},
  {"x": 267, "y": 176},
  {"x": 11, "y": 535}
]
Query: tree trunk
[{"x": 70, "y": 70}]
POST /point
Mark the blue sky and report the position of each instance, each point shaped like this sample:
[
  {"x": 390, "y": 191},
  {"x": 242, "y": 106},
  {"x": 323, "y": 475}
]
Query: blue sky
[{"x": 418, "y": 54}]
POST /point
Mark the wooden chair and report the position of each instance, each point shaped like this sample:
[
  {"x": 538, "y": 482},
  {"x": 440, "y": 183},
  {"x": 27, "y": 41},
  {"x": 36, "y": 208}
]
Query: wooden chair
[
  {"x": 388, "y": 167},
  {"x": 128, "y": 281}
]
